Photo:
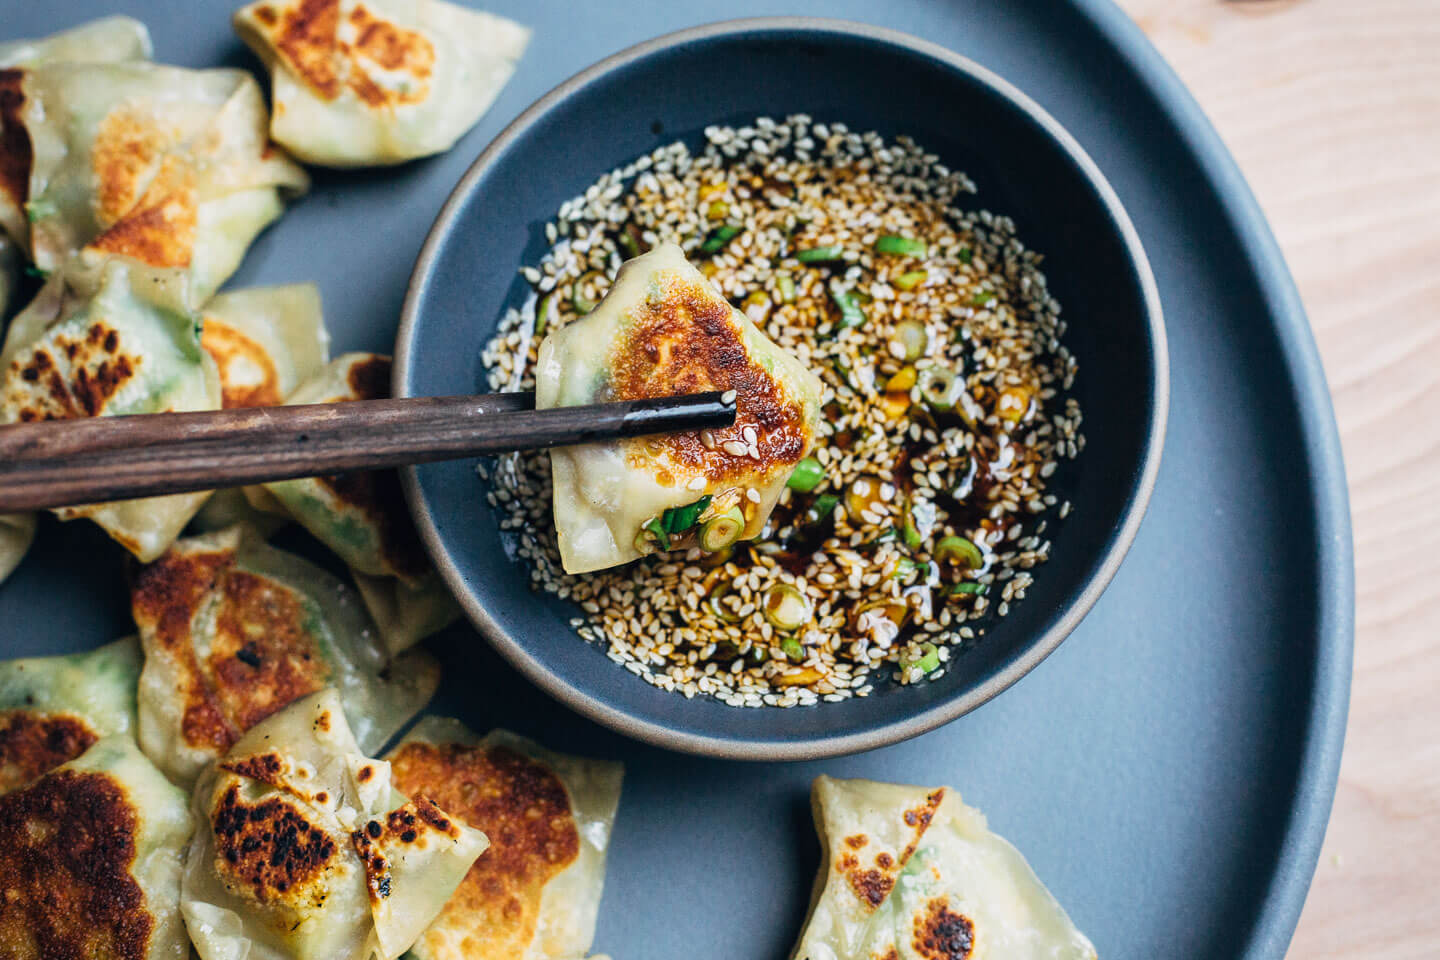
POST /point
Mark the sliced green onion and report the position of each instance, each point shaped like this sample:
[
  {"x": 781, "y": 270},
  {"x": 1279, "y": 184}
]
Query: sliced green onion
[
  {"x": 969, "y": 588},
  {"x": 905, "y": 566},
  {"x": 910, "y": 535},
  {"x": 578, "y": 300},
  {"x": 680, "y": 519},
  {"x": 720, "y": 531},
  {"x": 542, "y": 313},
  {"x": 785, "y": 607},
  {"x": 929, "y": 660},
  {"x": 910, "y": 340},
  {"x": 851, "y": 315},
  {"x": 34, "y": 271},
  {"x": 958, "y": 550},
  {"x": 966, "y": 255},
  {"x": 888, "y": 535},
  {"x": 822, "y": 507},
  {"x": 644, "y": 542},
  {"x": 793, "y": 649},
  {"x": 940, "y": 388},
  {"x": 629, "y": 245},
  {"x": 657, "y": 530},
  {"x": 806, "y": 476},
  {"x": 820, "y": 254},
  {"x": 910, "y": 279},
  {"x": 719, "y": 237},
  {"x": 982, "y": 298},
  {"x": 785, "y": 286},
  {"x": 892, "y": 244},
  {"x": 717, "y": 607}
]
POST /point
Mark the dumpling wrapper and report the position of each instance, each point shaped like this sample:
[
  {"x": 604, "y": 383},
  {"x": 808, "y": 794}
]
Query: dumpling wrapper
[
  {"x": 305, "y": 852},
  {"x": 663, "y": 330},
  {"x": 52, "y": 709},
  {"x": 361, "y": 516},
  {"x": 358, "y": 84},
  {"x": 911, "y": 873},
  {"x": 70, "y": 354},
  {"x": 17, "y": 532},
  {"x": 234, "y": 630},
  {"x": 91, "y": 855},
  {"x": 536, "y": 894},
  {"x": 265, "y": 341},
  {"x": 106, "y": 40},
  {"x": 170, "y": 170}
]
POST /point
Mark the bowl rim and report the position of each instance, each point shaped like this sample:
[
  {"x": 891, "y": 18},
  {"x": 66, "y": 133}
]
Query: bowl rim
[{"x": 821, "y": 745}]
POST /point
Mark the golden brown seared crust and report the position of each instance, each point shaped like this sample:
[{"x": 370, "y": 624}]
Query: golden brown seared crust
[
  {"x": 99, "y": 369},
  {"x": 269, "y": 852},
  {"x": 67, "y": 845},
  {"x": 871, "y": 885},
  {"x": 146, "y": 196},
  {"x": 411, "y": 825},
  {"x": 523, "y": 808},
  {"x": 16, "y": 154},
  {"x": 233, "y": 351},
  {"x": 164, "y": 599},
  {"x": 34, "y": 743},
  {"x": 262, "y": 658},
  {"x": 942, "y": 934},
  {"x": 687, "y": 341},
  {"x": 308, "y": 36}
]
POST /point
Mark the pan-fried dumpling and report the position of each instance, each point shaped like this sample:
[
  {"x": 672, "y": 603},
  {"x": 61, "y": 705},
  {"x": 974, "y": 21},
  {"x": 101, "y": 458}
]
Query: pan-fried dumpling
[
  {"x": 305, "y": 852},
  {"x": 265, "y": 342},
  {"x": 362, "y": 516},
  {"x": 165, "y": 168},
  {"x": 52, "y": 709},
  {"x": 662, "y": 330},
  {"x": 535, "y": 895},
  {"x": 91, "y": 856},
  {"x": 107, "y": 40},
  {"x": 234, "y": 630},
  {"x": 17, "y": 532},
  {"x": 913, "y": 874},
  {"x": 358, "y": 84},
  {"x": 69, "y": 354}
]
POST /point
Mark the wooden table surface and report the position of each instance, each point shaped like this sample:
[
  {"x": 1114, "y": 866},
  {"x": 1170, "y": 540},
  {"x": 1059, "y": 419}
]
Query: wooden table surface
[{"x": 1332, "y": 108}]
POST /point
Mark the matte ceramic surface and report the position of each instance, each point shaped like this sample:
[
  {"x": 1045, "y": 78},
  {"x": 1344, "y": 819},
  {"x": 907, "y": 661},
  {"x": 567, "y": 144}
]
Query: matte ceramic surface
[
  {"x": 1169, "y": 769},
  {"x": 1027, "y": 168}
]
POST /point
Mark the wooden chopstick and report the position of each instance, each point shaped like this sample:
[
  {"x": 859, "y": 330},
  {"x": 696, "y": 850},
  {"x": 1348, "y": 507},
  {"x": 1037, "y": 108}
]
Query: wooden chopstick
[{"x": 68, "y": 462}]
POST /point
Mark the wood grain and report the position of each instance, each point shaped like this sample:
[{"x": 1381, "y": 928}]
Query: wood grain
[
  {"x": 1332, "y": 108},
  {"x": 72, "y": 462}
]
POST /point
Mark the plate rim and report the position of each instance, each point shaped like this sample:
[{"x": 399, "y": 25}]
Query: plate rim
[
  {"x": 1323, "y": 739},
  {"x": 825, "y": 746}
]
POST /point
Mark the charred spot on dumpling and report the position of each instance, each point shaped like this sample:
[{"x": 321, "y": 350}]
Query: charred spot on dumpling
[
  {"x": 411, "y": 825},
  {"x": 67, "y": 846},
  {"x": 856, "y": 841},
  {"x": 524, "y": 809},
  {"x": 685, "y": 339},
  {"x": 265, "y": 767},
  {"x": 95, "y": 369},
  {"x": 943, "y": 934},
  {"x": 369, "y": 379},
  {"x": 377, "y": 496},
  {"x": 34, "y": 743},
  {"x": 871, "y": 886},
  {"x": 247, "y": 373},
  {"x": 165, "y": 598},
  {"x": 16, "y": 152},
  {"x": 891, "y": 954},
  {"x": 263, "y": 656},
  {"x": 269, "y": 850},
  {"x": 920, "y": 816}
]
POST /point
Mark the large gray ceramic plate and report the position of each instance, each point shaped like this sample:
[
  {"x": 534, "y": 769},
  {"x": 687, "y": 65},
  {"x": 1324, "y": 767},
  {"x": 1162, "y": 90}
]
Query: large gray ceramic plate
[{"x": 1169, "y": 770}]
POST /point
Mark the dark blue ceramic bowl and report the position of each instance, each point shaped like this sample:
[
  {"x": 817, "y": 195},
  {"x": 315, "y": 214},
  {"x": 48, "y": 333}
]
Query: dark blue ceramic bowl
[{"x": 1025, "y": 165}]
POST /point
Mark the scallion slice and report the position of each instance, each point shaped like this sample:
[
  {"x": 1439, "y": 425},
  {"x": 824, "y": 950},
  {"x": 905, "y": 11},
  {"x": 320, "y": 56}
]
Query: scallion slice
[{"x": 892, "y": 244}]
